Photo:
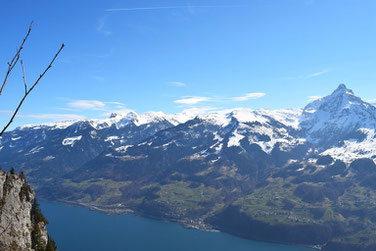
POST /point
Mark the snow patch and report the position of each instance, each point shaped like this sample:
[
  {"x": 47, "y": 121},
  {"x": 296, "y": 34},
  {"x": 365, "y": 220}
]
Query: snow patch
[
  {"x": 352, "y": 149},
  {"x": 111, "y": 139},
  {"x": 122, "y": 149},
  {"x": 35, "y": 150},
  {"x": 70, "y": 141},
  {"x": 235, "y": 140},
  {"x": 49, "y": 158}
]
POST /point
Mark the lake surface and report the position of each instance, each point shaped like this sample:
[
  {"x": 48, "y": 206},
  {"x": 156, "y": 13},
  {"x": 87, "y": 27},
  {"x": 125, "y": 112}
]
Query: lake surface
[{"x": 77, "y": 228}]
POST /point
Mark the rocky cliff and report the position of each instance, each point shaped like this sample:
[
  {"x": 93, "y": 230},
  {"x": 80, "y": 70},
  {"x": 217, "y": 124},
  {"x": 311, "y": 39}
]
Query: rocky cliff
[{"x": 22, "y": 225}]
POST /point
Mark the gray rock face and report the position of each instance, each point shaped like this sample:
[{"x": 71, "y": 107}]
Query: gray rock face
[{"x": 17, "y": 226}]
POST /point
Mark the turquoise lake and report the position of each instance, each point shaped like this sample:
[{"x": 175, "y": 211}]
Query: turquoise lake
[{"x": 77, "y": 228}]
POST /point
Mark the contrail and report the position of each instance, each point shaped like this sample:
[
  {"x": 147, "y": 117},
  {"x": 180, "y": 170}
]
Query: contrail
[{"x": 176, "y": 7}]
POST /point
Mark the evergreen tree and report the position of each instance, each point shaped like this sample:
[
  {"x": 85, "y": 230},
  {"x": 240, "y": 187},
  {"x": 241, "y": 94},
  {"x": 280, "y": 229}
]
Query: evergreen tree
[
  {"x": 22, "y": 175},
  {"x": 51, "y": 245},
  {"x": 36, "y": 213}
]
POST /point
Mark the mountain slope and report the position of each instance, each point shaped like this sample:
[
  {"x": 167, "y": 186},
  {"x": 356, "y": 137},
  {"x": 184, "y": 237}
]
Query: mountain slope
[
  {"x": 336, "y": 117},
  {"x": 51, "y": 150},
  {"x": 342, "y": 125},
  {"x": 292, "y": 176}
]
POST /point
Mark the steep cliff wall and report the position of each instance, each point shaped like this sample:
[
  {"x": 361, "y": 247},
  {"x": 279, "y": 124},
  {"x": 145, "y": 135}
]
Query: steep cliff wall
[{"x": 22, "y": 225}]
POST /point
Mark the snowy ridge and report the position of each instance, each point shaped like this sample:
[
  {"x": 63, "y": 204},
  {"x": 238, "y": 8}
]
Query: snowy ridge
[
  {"x": 262, "y": 128},
  {"x": 352, "y": 149},
  {"x": 288, "y": 117},
  {"x": 341, "y": 125},
  {"x": 119, "y": 120},
  {"x": 338, "y": 113},
  {"x": 223, "y": 117},
  {"x": 50, "y": 125}
]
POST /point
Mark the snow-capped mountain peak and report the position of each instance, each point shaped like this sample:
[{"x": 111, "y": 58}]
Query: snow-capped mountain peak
[
  {"x": 336, "y": 116},
  {"x": 341, "y": 89},
  {"x": 340, "y": 99},
  {"x": 340, "y": 124}
]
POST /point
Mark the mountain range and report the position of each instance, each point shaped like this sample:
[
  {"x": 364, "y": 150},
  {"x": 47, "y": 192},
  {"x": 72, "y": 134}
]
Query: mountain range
[{"x": 300, "y": 176}]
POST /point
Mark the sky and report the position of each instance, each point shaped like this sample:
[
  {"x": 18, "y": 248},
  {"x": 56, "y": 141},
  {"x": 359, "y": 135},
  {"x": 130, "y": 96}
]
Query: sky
[{"x": 170, "y": 56}]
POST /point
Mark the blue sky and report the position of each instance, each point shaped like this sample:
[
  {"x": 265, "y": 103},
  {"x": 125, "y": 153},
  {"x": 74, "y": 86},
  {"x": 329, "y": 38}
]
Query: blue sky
[{"x": 173, "y": 55}]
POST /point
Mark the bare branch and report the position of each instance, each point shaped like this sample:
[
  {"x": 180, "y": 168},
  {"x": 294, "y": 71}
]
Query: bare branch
[
  {"x": 15, "y": 58},
  {"x": 24, "y": 76},
  {"x": 15, "y": 62},
  {"x": 32, "y": 87},
  {"x": 48, "y": 67}
]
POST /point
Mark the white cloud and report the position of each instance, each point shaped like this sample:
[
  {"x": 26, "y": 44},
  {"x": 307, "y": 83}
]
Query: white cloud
[
  {"x": 75, "y": 110},
  {"x": 101, "y": 27},
  {"x": 53, "y": 116},
  {"x": 248, "y": 96},
  {"x": 192, "y": 100},
  {"x": 7, "y": 112},
  {"x": 115, "y": 103},
  {"x": 84, "y": 106},
  {"x": 313, "y": 98},
  {"x": 311, "y": 75},
  {"x": 98, "y": 78},
  {"x": 316, "y": 74},
  {"x": 198, "y": 110},
  {"x": 67, "y": 109},
  {"x": 87, "y": 104},
  {"x": 177, "y": 83},
  {"x": 46, "y": 116},
  {"x": 189, "y": 7},
  {"x": 372, "y": 100}
]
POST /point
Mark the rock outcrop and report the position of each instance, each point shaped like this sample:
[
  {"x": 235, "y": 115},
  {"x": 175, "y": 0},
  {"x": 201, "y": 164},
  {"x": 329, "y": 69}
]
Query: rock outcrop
[{"x": 22, "y": 225}]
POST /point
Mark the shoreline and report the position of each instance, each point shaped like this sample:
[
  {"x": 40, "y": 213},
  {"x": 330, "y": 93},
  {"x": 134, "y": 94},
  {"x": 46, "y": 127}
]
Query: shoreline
[
  {"x": 119, "y": 210},
  {"x": 185, "y": 223}
]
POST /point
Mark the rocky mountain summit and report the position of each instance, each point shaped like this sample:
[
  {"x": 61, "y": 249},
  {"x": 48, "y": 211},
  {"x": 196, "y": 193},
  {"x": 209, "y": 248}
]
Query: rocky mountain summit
[
  {"x": 22, "y": 226},
  {"x": 300, "y": 176},
  {"x": 339, "y": 116}
]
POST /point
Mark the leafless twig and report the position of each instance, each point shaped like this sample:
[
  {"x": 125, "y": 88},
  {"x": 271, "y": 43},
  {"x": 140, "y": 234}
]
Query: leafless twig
[
  {"x": 11, "y": 65},
  {"x": 24, "y": 76},
  {"x": 28, "y": 91},
  {"x": 15, "y": 59}
]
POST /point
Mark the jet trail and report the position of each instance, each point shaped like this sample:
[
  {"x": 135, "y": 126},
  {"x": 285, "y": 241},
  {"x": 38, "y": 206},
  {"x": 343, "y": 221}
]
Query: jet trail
[{"x": 175, "y": 7}]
